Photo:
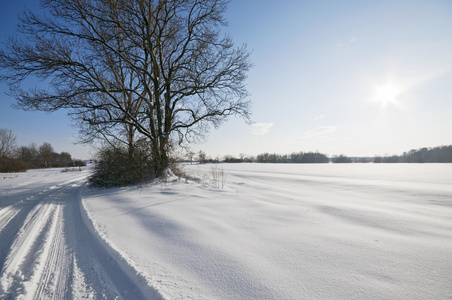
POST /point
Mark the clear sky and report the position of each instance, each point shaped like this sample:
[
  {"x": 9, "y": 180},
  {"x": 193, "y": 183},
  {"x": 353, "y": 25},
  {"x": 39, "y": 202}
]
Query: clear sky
[{"x": 342, "y": 77}]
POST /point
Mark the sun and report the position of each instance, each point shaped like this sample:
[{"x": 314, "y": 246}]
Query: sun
[{"x": 386, "y": 94}]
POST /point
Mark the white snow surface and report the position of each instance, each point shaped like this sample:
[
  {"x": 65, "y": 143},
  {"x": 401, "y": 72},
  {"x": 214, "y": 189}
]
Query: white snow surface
[
  {"x": 239, "y": 231},
  {"x": 48, "y": 247}
]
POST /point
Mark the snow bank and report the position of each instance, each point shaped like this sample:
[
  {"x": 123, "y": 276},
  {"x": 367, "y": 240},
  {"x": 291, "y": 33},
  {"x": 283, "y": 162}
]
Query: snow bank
[{"x": 355, "y": 231}]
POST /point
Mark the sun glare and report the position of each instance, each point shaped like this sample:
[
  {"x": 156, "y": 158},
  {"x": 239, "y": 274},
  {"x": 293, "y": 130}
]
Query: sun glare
[{"x": 387, "y": 94}]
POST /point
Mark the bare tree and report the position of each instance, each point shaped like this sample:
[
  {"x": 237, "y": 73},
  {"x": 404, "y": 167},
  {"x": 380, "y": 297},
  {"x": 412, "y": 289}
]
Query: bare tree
[
  {"x": 29, "y": 154},
  {"x": 7, "y": 142},
  {"x": 161, "y": 68},
  {"x": 46, "y": 154}
]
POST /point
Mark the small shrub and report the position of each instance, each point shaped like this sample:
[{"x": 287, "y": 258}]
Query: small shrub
[
  {"x": 115, "y": 167},
  {"x": 218, "y": 178}
]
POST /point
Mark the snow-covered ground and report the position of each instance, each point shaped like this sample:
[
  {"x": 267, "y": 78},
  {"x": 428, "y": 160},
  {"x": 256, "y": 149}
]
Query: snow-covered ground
[
  {"x": 48, "y": 248},
  {"x": 259, "y": 231}
]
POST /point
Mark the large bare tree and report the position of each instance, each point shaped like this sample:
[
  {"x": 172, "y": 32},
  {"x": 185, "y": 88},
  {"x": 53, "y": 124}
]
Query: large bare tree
[{"x": 161, "y": 68}]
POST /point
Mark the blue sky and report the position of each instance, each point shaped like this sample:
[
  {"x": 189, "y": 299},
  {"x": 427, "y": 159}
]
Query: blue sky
[{"x": 353, "y": 77}]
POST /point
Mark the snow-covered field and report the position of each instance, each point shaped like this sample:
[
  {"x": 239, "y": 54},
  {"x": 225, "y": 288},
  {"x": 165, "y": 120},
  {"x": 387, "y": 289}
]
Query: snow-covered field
[{"x": 259, "y": 231}]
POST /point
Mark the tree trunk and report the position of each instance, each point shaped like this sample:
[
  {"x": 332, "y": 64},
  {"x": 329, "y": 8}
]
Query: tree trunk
[
  {"x": 130, "y": 141},
  {"x": 159, "y": 157}
]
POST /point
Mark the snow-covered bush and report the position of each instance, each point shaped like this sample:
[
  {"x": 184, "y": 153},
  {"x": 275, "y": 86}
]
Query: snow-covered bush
[{"x": 116, "y": 167}]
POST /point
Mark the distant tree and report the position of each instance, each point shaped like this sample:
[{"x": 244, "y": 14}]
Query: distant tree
[
  {"x": 299, "y": 157},
  {"x": 309, "y": 157},
  {"x": 441, "y": 154},
  {"x": 246, "y": 158},
  {"x": 232, "y": 159},
  {"x": 419, "y": 155},
  {"x": 7, "y": 143},
  {"x": 62, "y": 159},
  {"x": 161, "y": 67},
  {"x": 262, "y": 158},
  {"x": 391, "y": 159},
  {"x": 22, "y": 158},
  {"x": 202, "y": 157},
  {"x": 444, "y": 154},
  {"x": 362, "y": 159},
  {"x": 46, "y": 155},
  {"x": 190, "y": 155},
  {"x": 340, "y": 159},
  {"x": 29, "y": 154}
]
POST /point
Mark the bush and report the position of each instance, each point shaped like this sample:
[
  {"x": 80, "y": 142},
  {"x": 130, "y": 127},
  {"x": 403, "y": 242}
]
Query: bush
[
  {"x": 12, "y": 165},
  {"x": 115, "y": 167},
  {"x": 78, "y": 163}
]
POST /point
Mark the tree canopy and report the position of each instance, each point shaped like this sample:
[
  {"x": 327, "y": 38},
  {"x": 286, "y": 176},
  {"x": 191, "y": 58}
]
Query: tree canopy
[{"x": 158, "y": 70}]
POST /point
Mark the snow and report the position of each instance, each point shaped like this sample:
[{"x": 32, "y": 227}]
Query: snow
[
  {"x": 48, "y": 249},
  {"x": 330, "y": 231}
]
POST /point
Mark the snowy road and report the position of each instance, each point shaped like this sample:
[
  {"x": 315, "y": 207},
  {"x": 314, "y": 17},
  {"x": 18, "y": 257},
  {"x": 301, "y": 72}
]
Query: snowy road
[{"x": 48, "y": 249}]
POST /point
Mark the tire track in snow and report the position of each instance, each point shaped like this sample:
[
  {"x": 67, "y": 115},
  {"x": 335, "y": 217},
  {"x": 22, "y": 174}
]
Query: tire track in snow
[
  {"x": 47, "y": 251},
  {"x": 6, "y": 215},
  {"x": 27, "y": 251},
  {"x": 55, "y": 273},
  {"x": 12, "y": 228}
]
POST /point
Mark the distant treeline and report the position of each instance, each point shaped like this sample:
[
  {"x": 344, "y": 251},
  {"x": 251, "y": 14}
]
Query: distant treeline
[
  {"x": 294, "y": 158},
  {"x": 33, "y": 157},
  {"x": 441, "y": 154},
  {"x": 19, "y": 159}
]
